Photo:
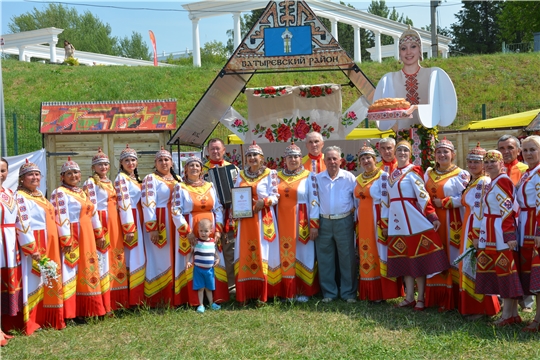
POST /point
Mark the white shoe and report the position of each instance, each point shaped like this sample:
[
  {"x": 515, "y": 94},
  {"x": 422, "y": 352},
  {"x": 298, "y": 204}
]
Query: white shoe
[
  {"x": 351, "y": 301},
  {"x": 327, "y": 300},
  {"x": 302, "y": 298}
]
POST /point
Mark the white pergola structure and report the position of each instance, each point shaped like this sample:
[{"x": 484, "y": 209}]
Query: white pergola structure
[
  {"x": 334, "y": 12},
  {"x": 25, "y": 39}
]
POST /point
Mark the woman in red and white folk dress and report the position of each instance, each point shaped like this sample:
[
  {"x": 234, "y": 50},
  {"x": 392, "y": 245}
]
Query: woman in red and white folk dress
[
  {"x": 373, "y": 285},
  {"x": 298, "y": 227},
  {"x": 410, "y": 222},
  {"x": 17, "y": 251},
  {"x": 114, "y": 280},
  {"x": 471, "y": 304},
  {"x": 496, "y": 270},
  {"x": 194, "y": 200},
  {"x": 128, "y": 190},
  {"x": 528, "y": 193},
  {"x": 445, "y": 183},
  {"x": 80, "y": 235},
  {"x": 43, "y": 303},
  {"x": 10, "y": 258},
  {"x": 159, "y": 244},
  {"x": 256, "y": 251}
]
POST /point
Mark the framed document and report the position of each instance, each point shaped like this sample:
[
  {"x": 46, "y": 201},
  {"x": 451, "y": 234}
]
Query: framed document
[{"x": 242, "y": 202}]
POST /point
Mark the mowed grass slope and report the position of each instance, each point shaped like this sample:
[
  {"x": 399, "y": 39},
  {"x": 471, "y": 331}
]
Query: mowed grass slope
[{"x": 495, "y": 80}]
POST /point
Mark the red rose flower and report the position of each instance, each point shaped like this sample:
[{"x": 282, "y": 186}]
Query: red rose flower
[
  {"x": 270, "y": 90},
  {"x": 342, "y": 164},
  {"x": 237, "y": 122},
  {"x": 256, "y": 92},
  {"x": 283, "y": 91},
  {"x": 315, "y": 127},
  {"x": 316, "y": 91},
  {"x": 302, "y": 93},
  {"x": 328, "y": 90},
  {"x": 269, "y": 135},
  {"x": 351, "y": 166},
  {"x": 284, "y": 133},
  {"x": 301, "y": 129}
]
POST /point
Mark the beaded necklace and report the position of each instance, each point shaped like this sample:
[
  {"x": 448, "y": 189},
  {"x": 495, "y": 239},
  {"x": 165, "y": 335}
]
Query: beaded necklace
[{"x": 256, "y": 174}]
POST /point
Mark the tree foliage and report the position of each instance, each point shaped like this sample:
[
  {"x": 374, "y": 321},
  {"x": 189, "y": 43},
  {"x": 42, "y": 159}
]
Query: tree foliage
[
  {"x": 85, "y": 31},
  {"x": 519, "y": 20},
  {"x": 134, "y": 47},
  {"x": 477, "y": 30}
]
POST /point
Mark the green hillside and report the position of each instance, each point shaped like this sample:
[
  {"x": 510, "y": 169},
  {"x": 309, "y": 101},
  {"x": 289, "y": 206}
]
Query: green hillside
[{"x": 506, "y": 83}]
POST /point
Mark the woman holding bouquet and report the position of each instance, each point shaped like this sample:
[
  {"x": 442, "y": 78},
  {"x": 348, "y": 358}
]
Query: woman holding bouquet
[
  {"x": 99, "y": 188},
  {"x": 496, "y": 270},
  {"x": 471, "y": 304},
  {"x": 37, "y": 220},
  {"x": 80, "y": 234},
  {"x": 14, "y": 298},
  {"x": 528, "y": 193},
  {"x": 409, "y": 221}
]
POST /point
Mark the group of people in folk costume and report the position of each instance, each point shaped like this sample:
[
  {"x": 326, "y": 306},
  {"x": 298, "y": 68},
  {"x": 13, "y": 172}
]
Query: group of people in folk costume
[{"x": 130, "y": 242}]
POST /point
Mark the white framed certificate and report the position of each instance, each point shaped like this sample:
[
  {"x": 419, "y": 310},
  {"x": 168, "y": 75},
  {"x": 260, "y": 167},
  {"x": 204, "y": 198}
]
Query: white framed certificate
[{"x": 242, "y": 202}]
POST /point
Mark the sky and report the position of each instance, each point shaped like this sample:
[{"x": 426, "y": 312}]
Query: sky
[{"x": 173, "y": 29}]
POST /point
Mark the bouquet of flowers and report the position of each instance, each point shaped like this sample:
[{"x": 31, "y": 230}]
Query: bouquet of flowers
[
  {"x": 49, "y": 271},
  {"x": 471, "y": 253}
]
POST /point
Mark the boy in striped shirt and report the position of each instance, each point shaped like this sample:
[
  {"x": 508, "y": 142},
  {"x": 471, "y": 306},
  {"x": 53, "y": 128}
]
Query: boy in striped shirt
[{"x": 204, "y": 257}]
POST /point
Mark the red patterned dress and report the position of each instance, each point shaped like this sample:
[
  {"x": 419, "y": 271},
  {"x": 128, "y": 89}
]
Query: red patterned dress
[
  {"x": 496, "y": 270},
  {"x": 414, "y": 248}
]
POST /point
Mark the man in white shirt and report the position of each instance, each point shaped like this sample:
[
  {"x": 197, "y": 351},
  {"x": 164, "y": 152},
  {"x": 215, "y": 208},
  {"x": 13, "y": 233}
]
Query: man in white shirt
[{"x": 336, "y": 231}]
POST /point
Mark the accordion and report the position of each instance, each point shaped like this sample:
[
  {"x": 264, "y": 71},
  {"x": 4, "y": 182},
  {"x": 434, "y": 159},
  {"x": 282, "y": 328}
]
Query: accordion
[{"x": 223, "y": 179}]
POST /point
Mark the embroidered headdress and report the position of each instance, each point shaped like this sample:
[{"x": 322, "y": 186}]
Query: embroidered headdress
[
  {"x": 28, "y": 167},
  {"x": 69, "y": 165},
  {"x": 411, "y": 35},
  {"x": 493, "y": 155},
  {"x": 100, "y": 157},
  {"x": 446, "y": 144},
  {"x": 292, "y": 149},
  {"x": 128, "y": 152},
  {"x": 477, "y": 153},
  {"x": 163, "y": 153},
  {"x": 192, "y": 159},
  {"x": 366, "y": 149},
  {"x": 254, "y": 149}
]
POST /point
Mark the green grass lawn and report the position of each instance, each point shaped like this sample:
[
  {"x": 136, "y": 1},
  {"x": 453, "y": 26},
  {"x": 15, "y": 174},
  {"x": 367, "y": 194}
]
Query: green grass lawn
[{"x": 280, "y": 331}]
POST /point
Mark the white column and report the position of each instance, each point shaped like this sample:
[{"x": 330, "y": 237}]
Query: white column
[
  {"x": 22, "y": 54},
  {"x": 52, "y": 48},
  {"x": 196, "y": 42},
  {"x": 357, "y": 45},
  {"x": 334, "y": 23},
  {"x": 444, "y": 54},
  {"x": 377, "y": 36},
  {"x": 396, "y": 47},
  {"x": 237, "y": 30},
  {"x": 429, "y": 52}
]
